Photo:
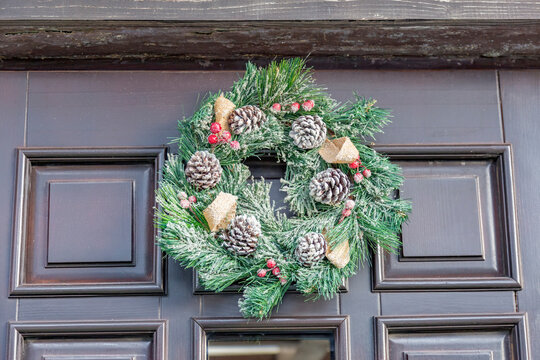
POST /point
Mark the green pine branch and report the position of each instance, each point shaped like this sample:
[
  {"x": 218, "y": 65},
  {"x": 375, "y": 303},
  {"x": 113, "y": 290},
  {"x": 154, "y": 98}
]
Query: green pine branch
[{"x": 374, "y": 223}]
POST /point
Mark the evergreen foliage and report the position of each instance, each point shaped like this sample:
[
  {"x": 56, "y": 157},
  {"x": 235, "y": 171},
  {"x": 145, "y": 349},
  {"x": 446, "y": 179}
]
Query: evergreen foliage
[{"x": 375, "y": 221}]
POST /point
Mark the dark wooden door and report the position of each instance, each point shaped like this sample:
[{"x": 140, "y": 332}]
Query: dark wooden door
[{"x": 82, "y": 279}]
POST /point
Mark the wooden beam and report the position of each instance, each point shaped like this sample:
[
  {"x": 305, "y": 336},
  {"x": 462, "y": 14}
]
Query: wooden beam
[
  {"x": 211, "y": 45},
  {"x": 290, "y": 10}
]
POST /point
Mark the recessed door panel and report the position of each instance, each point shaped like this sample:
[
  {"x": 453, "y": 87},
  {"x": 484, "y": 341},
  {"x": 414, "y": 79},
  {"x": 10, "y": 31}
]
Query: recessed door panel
[{"x": 85, "y": 222}]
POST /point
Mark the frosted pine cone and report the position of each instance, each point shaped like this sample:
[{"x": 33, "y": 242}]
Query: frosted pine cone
[
  {"x": 242, "y": 235},
  {"x": 330, "y": 186},
  {"x": 308, "y": 132},
  {"x": 310, "y": 249},
  {"x": 246, "y": 119},
  {"x": 203, "y": 170}
]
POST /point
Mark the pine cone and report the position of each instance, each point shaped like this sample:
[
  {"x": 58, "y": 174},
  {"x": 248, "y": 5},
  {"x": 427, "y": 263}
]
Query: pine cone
[
  {"x": 330, "y": 186},
  {"x": 246, "y": 119},
  {"x": 308, "y": 132},
  {"x": 241, "y": 236},
  {"x": 203, "y": 170},
  {"x": 310, "y": 249}
]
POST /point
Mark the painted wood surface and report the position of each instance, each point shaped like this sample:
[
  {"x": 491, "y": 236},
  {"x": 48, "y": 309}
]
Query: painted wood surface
[
  {"x": 13, "y": 128},
  {"x": 520, "y": 93},
  {"x": 268, "y": 10},
  {"x": 141, "y": 108}
]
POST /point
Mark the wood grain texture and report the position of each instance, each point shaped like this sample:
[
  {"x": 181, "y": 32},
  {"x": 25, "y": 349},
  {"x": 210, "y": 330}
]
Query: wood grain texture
[
  {"x": 135, "y": 108},
  {"x": 95, "y": 308},
  {"x": 12, "y": 124},
  {"x": 292, "y": 305},
  {"x": 178, "y": 307},
  {"x": 361, "y": 305},
  {"x": 431, "y": 231},
  {"x": 433, "y": 107},
  {"x": 101, "y": 212},
  {"x": 520, "y": 95},
  {"x": 228, "y": 44},
  {"x": 418, "y": 303},
  {"x": 267, "y": 10},
  {"x": 141, "y": 108},
  {"x": 449, "y": 355}
]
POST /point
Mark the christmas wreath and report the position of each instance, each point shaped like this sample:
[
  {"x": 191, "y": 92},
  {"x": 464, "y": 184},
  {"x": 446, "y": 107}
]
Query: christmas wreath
[{"x": 214, "y": 217}]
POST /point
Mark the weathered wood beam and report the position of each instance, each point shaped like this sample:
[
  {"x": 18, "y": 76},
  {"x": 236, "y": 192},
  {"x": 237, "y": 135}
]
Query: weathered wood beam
[
  {"x": 290, "y": 10},
  {"x": 202, "y": 45}
]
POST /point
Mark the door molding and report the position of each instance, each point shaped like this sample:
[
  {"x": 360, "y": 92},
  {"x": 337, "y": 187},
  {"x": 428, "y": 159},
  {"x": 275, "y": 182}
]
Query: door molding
[
  {"x": 339, "y": 325},
  {"x": 393, "y": 272},
  {"x": 515, "y": 324},
  {"x": 68, "y": 332},
  {"x": 138, "y": 169}
]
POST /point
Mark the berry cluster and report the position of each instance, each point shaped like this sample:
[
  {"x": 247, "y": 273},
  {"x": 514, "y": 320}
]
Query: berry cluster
[
  {"x": 220, "y": 136},
  {"x": 359, "y": 176},
  {"x": 294, "y": 107},
  {"x": 347, "y": 211},
  {"x": 274, "y": 269},
  {"x": 185, "y": 201}
]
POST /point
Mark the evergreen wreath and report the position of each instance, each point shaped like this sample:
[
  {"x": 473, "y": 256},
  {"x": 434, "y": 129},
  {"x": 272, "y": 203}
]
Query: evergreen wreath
[{"x": 215, "y": 218}]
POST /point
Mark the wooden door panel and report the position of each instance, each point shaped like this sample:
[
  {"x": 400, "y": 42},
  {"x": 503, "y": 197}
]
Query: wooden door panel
[
  {"x": 105, "y": 239},
  {"x": 12, "y": 134},
  {"x": 448, "y": 355},
  {"x": 293, "y": 304},
  {"x": 462, "y": 230},
  {"x": 85, "y": 222},
  {"x": 492, "y": 337},
  {"x": 457, "y": 302},
  {"x": 431, "y": 107},
  {"x": 93, "y": 308},
  {"x": 428, "y": 107},
  {"x": 114, "y": 108},
  {"x": 337, "y": 327},
  {"x": 520, "y": 96},
  {"x": 90, "y": 340}
]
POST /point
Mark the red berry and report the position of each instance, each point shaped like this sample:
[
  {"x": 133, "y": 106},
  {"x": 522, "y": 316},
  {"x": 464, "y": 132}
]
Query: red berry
[
  {"x": 192, "y": 199},
  {"x": 225, "y": 135},
  {"x": 366, "y": 173},
  {"x": 215, "y": 128},
  {"x": 213, "y": 139},
  {"x": 283, "y": 280},
  {"x": 308, "y": 105},
  {"x": 185, "y": 204},
  {"x": 261, "y": 273},
  {"x": 354, "y": 165},
  {"x": 276, "y": 271},
  {"x": 271, "y": 263},
  {"x": 276, "y": 107},
  {"x": 346, "y": 213},
  {"x": 358, "y": 177},
  {"x": 235, "y": 145},
  {"x": 349, "y": 204},
  {"x": 295, "y": 107}
]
